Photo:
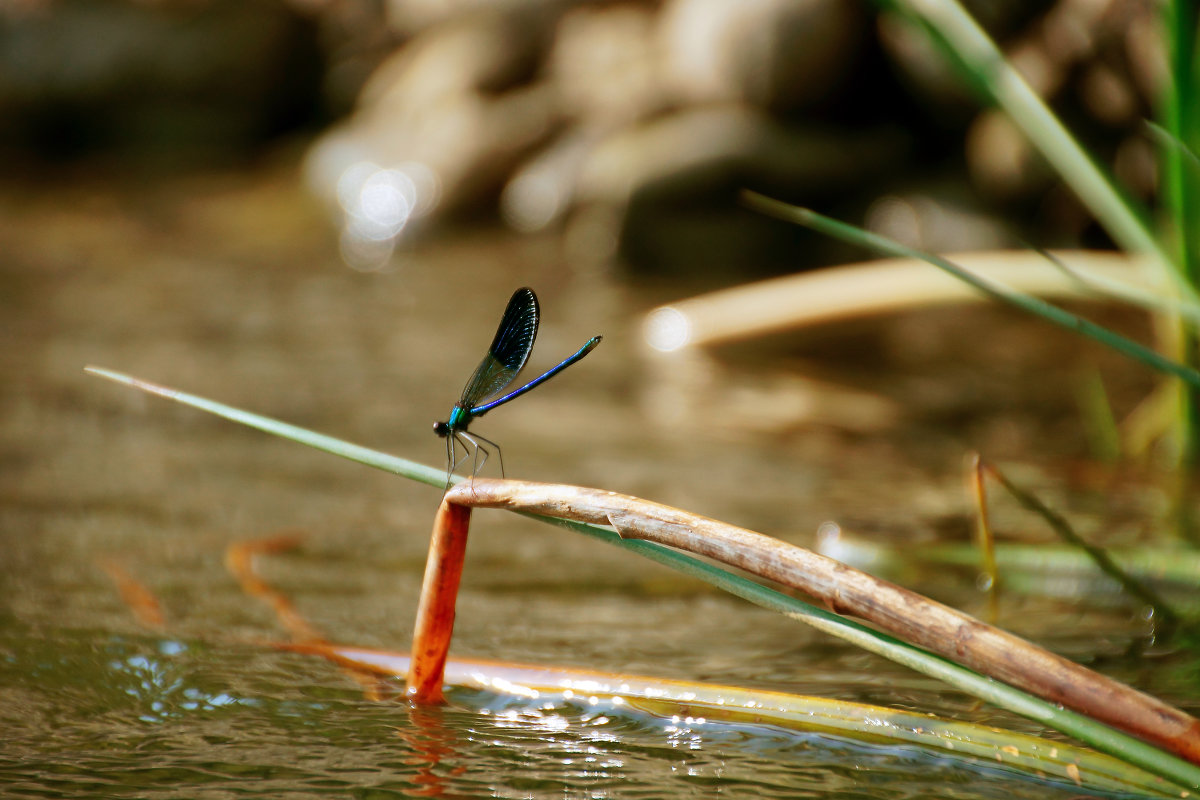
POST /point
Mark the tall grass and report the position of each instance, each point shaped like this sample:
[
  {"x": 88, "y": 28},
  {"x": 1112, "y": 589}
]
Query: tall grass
[
  {"x": 1172, "y": 241},
  {"x": 1180, "y": 182}
]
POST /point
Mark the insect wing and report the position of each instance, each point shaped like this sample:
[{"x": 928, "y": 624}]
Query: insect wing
[{"x": 509, "y": 351}]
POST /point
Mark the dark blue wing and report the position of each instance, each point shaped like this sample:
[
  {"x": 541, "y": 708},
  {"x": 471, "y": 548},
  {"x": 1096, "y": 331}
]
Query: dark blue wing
[{"x": 509, "y": 351}]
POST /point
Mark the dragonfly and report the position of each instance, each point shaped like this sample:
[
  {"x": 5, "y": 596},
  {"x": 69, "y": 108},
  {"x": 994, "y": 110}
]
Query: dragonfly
[{"x": 499, "y": 368}]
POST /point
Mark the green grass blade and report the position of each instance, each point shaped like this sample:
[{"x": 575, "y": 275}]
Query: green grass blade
[
  {"x": 1099, "y": 422},
  {"x": 1110, "y": 289},
  {"x": 1181, "y": 200},
  {"x": 1169, "y": 141},
  {"x": 956, "y": 32},
  {"x": 1034, "y": 305},
  {"x": 1103, "y": 738},
  {"x": 1099, "y": 556},
  {"x": 981, "y": 745},
  {"x": 363, "y": 455},
  {"x": 1181, "y": 117}
]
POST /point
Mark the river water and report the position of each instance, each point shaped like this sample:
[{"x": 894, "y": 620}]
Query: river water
[{"x": 231, "y": 287}]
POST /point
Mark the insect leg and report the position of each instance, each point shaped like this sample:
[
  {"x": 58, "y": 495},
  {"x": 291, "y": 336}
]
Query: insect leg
[
  {"x": 478, "y": 463},
  {"x": 449, "y": 462},
  {"x": 466, "y": 443},
  {"x": 494, "y": 446}
]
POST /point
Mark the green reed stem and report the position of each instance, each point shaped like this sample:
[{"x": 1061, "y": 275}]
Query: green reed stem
[
  {"x": 1034, "y": 305},
  {"x": 1127, "y": 748}
]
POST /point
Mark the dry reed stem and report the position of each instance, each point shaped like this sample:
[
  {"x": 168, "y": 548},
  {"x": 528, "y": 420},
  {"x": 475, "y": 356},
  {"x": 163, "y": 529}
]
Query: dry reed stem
[
  {"x": 849, "y": 592},
  {"x": 853, "y": 291},
  {"x": 239, "y": 560},
  {"x": 140, "y": 599}
]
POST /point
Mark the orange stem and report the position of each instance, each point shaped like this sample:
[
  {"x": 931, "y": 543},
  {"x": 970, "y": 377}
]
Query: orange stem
[
  {"x": 239, "y": 560},
  {"x": 435, "y": 614},
  {"x": 140, "y": 599}
]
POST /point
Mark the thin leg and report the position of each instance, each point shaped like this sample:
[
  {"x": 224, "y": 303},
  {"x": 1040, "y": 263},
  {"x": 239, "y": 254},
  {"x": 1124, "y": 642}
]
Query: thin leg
[
  {"x": 464, "y": 442},
  {"x": 449, "y": 462},
  {"x": 496, "y": 447},
  {"x": 452, "y": 462},
  {"x": 477, "y": 463}
]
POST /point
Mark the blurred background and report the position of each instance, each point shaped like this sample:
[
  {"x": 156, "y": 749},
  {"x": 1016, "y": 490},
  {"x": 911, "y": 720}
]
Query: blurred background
[
  {"x": 623, "y": 127},
  {"x": 317, "y": 209},
  {"x": 323, "y": 206}
]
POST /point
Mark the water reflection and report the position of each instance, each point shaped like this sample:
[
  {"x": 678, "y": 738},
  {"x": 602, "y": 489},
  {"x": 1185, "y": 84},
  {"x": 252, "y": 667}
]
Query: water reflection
[
  {"x": 224, "y": 719},
  {"x": 432, "y": 742},
  {"x": 155, "y": 682}
]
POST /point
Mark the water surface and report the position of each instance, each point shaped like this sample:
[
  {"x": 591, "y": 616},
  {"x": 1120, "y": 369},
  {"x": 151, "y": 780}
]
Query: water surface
[{"x": 232, "y": 288}]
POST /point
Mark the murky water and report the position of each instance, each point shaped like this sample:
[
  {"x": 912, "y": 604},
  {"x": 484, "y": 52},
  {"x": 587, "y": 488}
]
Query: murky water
[{"x": 232, "y": 288}]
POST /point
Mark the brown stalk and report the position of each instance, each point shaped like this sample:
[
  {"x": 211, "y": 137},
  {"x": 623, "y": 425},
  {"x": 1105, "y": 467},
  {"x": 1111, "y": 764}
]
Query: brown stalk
[
  {"x": 142, "y": 602},
  {"x": 853, "y": 291},
  {"x": 435, "y": 613},
  {"x": 239, "y": 560},
  {"x": 849, "y": 592}
]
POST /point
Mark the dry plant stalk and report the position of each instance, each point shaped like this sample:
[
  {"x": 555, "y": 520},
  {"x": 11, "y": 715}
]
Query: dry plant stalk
[
  {"x": 435, "y": 613},
  {"x": 239, "y": 560},
  {"x": 853, "y": 291},
  {"x": 842, "y": 589},
  {"x": 142, "y": 602}
]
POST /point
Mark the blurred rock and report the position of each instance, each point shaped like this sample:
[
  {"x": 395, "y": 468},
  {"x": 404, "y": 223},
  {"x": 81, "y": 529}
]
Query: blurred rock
[
  {"x": 452, "y": 154},
  {"x": 683, "y": 171},
  {"x": 489, "y": 51},
  {"x": 675, "y": 179},
  {"x": 412, "y": 17},
  {"x": 1001, "y": 161},
  {"x": 924, "y": 71},
  {"x": 1109, "y": 96},
  {"x": 1146, "y": 55},
  {"x": 776, "y": 54},
  {"x": 443, "y": 122},
  {"x": 571, "y": 107},
  {"x": 1100, "y": 62},
  {"x": 165, "y": 79},
  {"x": 605, "y": 65},
  {"x": 633, "y": 124},
  {"x": 732, "y": 140},
  {"x": 546, "y": 187},
  {"x": 1136, "y": 166},
  {"x": 938, "y": 219}
]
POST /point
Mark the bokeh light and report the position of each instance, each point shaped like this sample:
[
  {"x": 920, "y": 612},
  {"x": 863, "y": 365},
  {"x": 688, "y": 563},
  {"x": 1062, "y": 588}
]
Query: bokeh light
[{"x": 667, "y": 329}]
